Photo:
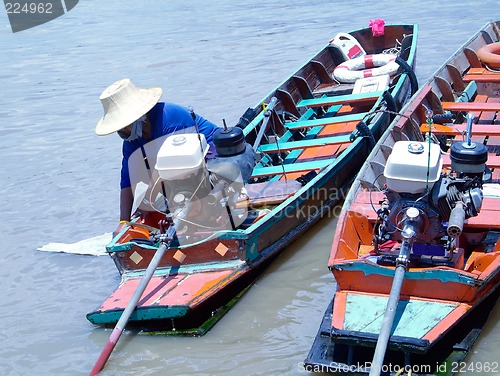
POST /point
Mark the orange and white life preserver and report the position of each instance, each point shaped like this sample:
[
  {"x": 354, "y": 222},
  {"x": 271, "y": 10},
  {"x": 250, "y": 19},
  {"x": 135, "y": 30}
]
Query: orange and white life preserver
[
  {"x": 366, "y": 66},
  {"x": 490, "y": 55}
]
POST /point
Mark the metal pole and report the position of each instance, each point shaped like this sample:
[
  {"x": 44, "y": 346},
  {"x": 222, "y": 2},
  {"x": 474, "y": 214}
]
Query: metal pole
[
  {"x": 267, "y": 114},
  {"x": 122, "y": 322},
  {"x": 131, "y": 305},
  {"x": 390, "y": 312},
  {"x": 470, "y": 120}
]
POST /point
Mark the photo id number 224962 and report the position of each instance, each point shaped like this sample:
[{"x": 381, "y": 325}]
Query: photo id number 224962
[{"x": 28, "y": 8}]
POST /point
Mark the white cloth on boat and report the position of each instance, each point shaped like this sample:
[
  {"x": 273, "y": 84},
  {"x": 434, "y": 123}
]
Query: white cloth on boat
[{"x": 95, "y": 246}]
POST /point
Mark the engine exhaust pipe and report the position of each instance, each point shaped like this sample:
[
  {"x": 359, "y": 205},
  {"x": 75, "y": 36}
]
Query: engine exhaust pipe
[{"x": 456, "y": 222}]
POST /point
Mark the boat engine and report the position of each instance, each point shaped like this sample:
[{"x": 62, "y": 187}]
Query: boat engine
[
  {"x": 428, "y": 206},
  {"x": 212, "y": 187}
]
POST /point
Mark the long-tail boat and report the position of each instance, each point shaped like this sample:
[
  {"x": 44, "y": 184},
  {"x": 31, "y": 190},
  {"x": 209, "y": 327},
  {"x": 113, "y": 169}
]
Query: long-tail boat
[
  {"x": 416, "y": 250},
  {"x": 226, "y": 214}
]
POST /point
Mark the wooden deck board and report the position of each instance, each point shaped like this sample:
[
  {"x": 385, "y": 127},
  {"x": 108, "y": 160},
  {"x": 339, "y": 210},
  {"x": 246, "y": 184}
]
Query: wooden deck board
[
  {"x": 338, "y": 128},
  {"x": 459, "y": 129},
  {"x": 488, "y": 117},
  {"x": 471, "y": 106},
  {"x": 482, "y": 75}
]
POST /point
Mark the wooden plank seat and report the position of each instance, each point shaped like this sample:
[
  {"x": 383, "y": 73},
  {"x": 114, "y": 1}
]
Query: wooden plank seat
[
  {"x": 296, "y": 125},
  {"x": 471, "y": 106},
  {"x": 292, "y": 167},
  {"x": 304, "y": 144},
  {"x": 488, "y": 216},
  {"x": 482, "y": 75},
  {"x": 340, "y": 99},
  {"x": 459, "y": 129},
  {"x": 489, "y": 117}
]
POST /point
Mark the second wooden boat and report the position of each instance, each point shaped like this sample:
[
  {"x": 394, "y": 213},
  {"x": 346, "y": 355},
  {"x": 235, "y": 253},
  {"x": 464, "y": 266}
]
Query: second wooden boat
[{"x": 416, "y": 252}]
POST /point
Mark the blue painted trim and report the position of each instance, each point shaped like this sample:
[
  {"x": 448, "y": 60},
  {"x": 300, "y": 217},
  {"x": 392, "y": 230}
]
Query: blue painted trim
[
  {"x": 190, "y": 268},
  {"x": 441, "y": 275},
  {"x": 344, "y": 99},
  {"x": 292, "y": 167},
  {"x": 139, "y": 314},
  {"x": 324, "y": 121},
  {"x": 323, "y": 141}
]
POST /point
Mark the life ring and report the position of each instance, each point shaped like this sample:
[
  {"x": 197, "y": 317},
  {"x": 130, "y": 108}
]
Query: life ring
[
  {"x": 366, "y": 66},
  {"x": 490, "y": 55}
]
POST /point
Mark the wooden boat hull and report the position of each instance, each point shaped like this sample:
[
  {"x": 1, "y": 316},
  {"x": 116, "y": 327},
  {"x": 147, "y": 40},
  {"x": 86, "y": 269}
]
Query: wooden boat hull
[
  {"x": 445, "y": 298},
  {"x": 169, "y": 305},
  {"x": 241, "y": 263},
  {"x": 321, "y": 149}
]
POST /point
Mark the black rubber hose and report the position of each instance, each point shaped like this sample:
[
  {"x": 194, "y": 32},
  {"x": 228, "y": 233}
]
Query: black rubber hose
[
  {"x": 411, "y": 74},
  {"x": 389, "y": 100},
  {"x": 366, "y": 132},
  {"x": 443, "y": 118}
]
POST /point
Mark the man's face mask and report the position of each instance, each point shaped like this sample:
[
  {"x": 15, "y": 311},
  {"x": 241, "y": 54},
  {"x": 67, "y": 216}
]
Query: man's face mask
[{"x": 136, "y": 130}]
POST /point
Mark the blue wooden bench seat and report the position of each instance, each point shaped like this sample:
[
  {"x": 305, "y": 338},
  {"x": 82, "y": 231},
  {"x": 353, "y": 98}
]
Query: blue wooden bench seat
[
  {"x": 323, "y": 121},
  {"x": 292, "y": 167},
  {"x": 341, "y": 99},
  {"x": 304, "y": 144}
]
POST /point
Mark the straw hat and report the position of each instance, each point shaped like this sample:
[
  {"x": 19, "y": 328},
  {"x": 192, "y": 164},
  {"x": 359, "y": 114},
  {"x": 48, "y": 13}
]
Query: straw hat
[{"x": 124, "y": 103}]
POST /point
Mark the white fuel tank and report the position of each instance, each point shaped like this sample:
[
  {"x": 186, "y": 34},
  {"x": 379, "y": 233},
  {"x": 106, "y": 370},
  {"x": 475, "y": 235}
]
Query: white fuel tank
[
  {"x": 407, "y": 166},
  {"x": 181, "y": 156}
]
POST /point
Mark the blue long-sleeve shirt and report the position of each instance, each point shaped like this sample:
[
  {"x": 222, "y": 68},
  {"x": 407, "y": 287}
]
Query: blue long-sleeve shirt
[{"x": 165, "y": 118}]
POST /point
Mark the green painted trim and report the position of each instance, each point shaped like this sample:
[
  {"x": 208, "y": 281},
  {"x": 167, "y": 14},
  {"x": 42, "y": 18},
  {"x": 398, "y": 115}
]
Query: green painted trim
[
  {"x": 139, "y": 314},
  {"x": 324, "y": 121},
  {"x": 323, "y": 141},
  {"x": 253, "y": 124},
  {"x": 339, "y": 99},
  {"x": 190, "y": 268},
  {"x": 441, "y": 275},
  {"x": 252, "y": 250},
  {"x": 468, "y": 93},
  {"x": 295, "y": 167},
  {"x": 123, "y": 247}
]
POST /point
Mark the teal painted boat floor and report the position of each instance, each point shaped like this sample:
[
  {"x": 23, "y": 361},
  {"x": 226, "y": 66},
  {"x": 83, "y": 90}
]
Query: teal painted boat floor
[
  {"x": 414, "y": 318},
  {"x": 354, "y": 358}
]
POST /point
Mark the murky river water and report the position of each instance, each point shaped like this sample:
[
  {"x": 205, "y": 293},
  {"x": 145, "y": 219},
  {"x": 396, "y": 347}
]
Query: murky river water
[{"x": 59, "y": 182}]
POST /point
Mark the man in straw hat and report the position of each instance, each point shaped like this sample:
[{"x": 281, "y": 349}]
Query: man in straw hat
[{"x": 137, "y": 116}]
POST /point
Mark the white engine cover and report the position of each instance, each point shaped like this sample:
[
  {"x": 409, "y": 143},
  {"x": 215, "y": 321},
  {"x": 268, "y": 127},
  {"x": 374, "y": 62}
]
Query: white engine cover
[
  {"x": 181, "y": 156},
  {"x": 406, "y": 168}
]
